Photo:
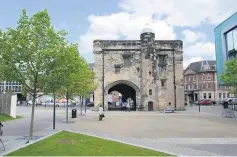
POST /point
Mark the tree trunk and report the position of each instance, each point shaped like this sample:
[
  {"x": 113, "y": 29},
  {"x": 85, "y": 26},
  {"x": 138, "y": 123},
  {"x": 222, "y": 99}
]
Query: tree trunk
[
  {"x": 85, "y": 107},
  {"x": 67, "y": 108},
  {"x": 32, "y": 116},
  {"x": 54, "y": 109},
  {"x": 81, "y": 104}
]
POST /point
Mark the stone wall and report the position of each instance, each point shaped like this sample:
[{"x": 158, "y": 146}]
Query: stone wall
[
  {"x": 5, "y": 103},
  {"x": 112, "y": 53}
]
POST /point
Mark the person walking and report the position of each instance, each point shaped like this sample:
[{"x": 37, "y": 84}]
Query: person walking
[
  {"x": 101, "y": 113},
  {"x": 128, "y": 106}
]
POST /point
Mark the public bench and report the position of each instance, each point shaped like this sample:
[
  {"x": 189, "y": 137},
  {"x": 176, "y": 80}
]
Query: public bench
[{"x": 168, "y": 110}]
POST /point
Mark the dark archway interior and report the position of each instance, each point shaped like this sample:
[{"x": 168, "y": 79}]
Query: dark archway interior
[{"x": 127, "y": 92}]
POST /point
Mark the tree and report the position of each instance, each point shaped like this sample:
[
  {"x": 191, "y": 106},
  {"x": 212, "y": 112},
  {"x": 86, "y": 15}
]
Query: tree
[
  {"x": 229, "y": 77},
  {"x": 53, "y": 79},
  {"x": 77, "y": 76},
  {"x": 28, "y": 51}
]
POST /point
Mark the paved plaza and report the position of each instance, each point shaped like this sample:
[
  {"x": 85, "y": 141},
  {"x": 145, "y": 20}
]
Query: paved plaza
[{"x": 182, "y": 133}]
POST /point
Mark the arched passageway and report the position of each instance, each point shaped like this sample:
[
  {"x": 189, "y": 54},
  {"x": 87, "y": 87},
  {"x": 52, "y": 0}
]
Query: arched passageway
[{"x": 125, "y": 92}]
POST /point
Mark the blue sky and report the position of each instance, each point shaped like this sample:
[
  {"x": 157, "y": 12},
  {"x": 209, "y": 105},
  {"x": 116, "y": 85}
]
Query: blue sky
[{"x": 86, "y": 20}]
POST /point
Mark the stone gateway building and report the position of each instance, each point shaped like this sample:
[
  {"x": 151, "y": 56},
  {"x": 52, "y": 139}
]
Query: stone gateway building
[{"x": 148, "y": 71}]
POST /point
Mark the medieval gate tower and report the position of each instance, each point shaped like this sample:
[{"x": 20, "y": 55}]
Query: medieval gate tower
[{"x": 148, "y": 71}]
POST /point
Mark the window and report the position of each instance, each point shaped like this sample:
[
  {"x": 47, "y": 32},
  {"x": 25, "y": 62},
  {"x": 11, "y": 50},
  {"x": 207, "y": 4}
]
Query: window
[
  {"x": 163, "y": 83},
  {"x": 162, "y": 60},
  {"x": 219, "y": 95},
  {"x": 150, "y": 92},
  {"x": 209, "y": 95},
  {"x": 229, "y": 41},
  {"x": 209, "y": 85},
  {"x": 126, "y": 60},
  {"x": 203, "y": 86},
  {"x": 224, "y": 95},
  {"x": 162, "y": 68},
  {"x": 235, "y": 38},
  {"x": 228, "y": 95},
  {"x": 203, "y": 77},
  {"x": 195, "y": 86},
  {"x": 117, "y": 69},
  {"x": 208, "y": 77},
  {"x": 190, "y": 78},
  {"x": 185, "y": 78},
  {"x": 204, "y": 95},
  {"x": 194, "y": 77},
  {"x": 138, "y": 69}
]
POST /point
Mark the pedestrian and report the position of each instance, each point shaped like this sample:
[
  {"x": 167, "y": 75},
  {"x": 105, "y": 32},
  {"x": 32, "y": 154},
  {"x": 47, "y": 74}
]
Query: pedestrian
[
  {"x": 101, "y": 113},
  {"x": 128, "y": 106}
]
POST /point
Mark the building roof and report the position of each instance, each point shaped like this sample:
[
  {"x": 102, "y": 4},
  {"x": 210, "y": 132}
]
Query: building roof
[
  {"x": 202, "y": 66},
  {"x": 91, "y": 65}
]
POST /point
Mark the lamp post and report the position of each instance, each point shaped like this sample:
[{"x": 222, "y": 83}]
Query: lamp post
[
  {"x": 103, "y": 79},
  {"x": 174, "y": 80},
  {"x": 214, "y": 85}
]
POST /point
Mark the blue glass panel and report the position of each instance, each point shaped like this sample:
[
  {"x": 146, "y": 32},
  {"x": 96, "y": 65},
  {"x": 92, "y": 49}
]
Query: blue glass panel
[
  {"x": 235, "y": 38},
  {"x": 229, "y": 40}
]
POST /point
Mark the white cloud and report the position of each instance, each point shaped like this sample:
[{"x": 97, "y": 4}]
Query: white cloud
[
  {"x": 190, "y": 36},
  {"x": 162, "y": 16},
  {"x": 200, "y": 49},
  {"x": 183, "y": 12},
  {"x": 124, "y": 25},
  {"x": 191, "y": 60}
]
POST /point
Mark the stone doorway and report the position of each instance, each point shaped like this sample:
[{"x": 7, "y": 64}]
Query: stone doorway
[{"x": 150, "y": 106}]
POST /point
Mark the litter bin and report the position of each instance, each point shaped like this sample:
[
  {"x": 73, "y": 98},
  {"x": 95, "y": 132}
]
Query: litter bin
[{"x": 74, "y": 113}]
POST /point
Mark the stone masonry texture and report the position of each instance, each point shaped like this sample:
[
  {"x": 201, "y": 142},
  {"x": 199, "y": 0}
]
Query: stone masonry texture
[{"x": 152, "y": 79}]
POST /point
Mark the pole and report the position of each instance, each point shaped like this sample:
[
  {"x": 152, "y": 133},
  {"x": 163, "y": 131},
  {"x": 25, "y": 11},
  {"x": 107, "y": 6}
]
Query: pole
[
  {"x": 199, "y": 107},
  {"x": 54, "y": 109},
  {"x": 174, "y": 80},
  {"x": 214, "y": 87},
  {"x": 103, "y": 79}
]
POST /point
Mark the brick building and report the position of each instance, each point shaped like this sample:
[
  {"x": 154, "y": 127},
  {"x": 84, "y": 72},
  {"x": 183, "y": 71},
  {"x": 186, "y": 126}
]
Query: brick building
[{"x": 200, "y": 82}]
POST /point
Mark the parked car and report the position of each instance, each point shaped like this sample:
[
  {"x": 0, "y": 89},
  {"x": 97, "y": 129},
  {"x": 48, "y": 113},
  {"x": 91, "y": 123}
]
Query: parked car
[
  {"x": 90, "y": 104},
  {"x": 205, "y": 102},
  {"x": 230, "y": 101}
]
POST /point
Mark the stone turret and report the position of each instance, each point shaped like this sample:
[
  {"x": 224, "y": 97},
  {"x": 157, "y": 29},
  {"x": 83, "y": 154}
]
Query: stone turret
[{"x": 147, "y": 41}]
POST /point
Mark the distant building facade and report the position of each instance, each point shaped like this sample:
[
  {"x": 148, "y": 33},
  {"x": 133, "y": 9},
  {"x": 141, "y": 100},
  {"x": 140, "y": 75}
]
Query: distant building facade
[
  {"x": 200, "y": 82},
  {"x": 225, "y": 43}
]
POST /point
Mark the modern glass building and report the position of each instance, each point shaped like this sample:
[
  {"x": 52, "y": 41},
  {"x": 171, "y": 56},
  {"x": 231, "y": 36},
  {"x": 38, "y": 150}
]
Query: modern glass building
[{"x": 225, "y": 43}]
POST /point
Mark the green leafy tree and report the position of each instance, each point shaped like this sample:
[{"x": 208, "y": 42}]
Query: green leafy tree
[
  {"x": 27, "y": 51},
  {"x": 77, "y": 76},
  {"x": 229, "y": 77}
]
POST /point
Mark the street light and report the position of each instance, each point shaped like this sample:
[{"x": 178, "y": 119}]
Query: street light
[{"x": 103, "y": 80}]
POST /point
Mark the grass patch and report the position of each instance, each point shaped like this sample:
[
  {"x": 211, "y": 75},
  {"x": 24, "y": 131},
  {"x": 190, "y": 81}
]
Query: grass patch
[
  {"x": 74, "y": 144},
  {"x": 4, "y": 117}
]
